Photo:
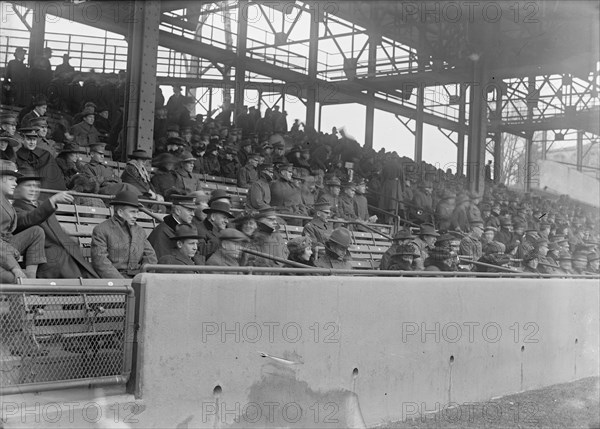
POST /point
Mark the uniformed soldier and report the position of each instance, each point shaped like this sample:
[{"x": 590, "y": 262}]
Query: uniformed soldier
[
  {"x": 330, "y": 194},
  {"x": 267, "y": 239},
  {"x": 40, "y": 160},
  {"x": 185, "y": 171},
  {"x": 165, "y": 179},
  {"x": 424, "y": 242},
  {"x": 229, "y": 252},
  {"x": 319, "y": 229},
  {"x": 108, "y": 180},
  {"x": 248, "y": 174},
  {"x": 259, "y": 194},
  {"x": 470, "y": 245},
  {"x": 285, "y": 195},
  {"x": 218, "y": 214},
  {"x": 346, "y": 207},
  {"x": 41, "y": 125}
]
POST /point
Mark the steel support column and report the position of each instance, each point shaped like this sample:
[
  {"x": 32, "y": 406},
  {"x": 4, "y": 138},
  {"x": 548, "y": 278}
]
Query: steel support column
[
  {"x": 462, "y": 119},
  {"x": 579, "y": 150},
  {"x": 419, "y": 124},
  {"x": 531, "y": 103},
  {"x": 477, "y": 128},
  {"x": 544, "y": 144},
  {"x": 37, "y": 35},
  {"x": 370, "y": 107},
  {"x": 497, "y": 137},
  {"x": 141, "y": 59},
  {"x": 240, "y": 68},
  {"x": 313, "y": 57}
]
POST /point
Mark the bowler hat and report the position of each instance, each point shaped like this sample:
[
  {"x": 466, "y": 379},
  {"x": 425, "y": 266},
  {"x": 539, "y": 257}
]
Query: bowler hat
[
  {"x": 126, "y": 198},
  {"x": 8, "y": 168},
  {"x": 218, "y": 194},
  {"x": 428, "y": 229},
  {"x": 219, "y": 207},
  {"x": 185, "y": 231},
  {"x": 139, "y": 154},
  {"x": 12, "y": 142},
  {"x": 187, "y": 201},
  {"x": 232, "y": 234},
  {"x": 341, "y": 236}
]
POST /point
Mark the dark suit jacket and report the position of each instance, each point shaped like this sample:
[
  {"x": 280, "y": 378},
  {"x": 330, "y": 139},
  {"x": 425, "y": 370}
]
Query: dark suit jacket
[
  {"x": 64, "y": 256},
  {"x": 176, "y": 258},
  {"x": 45, "y": 165}
]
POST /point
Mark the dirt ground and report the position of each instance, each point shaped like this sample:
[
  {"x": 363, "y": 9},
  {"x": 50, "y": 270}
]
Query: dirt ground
[{"x": 568, "y": 405}]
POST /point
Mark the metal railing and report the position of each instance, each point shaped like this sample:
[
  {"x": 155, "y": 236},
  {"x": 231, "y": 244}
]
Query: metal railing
[{"x": 65, "y": 333}]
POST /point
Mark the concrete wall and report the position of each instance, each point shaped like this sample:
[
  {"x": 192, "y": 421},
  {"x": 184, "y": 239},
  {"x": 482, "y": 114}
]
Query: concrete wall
[
  {"x": 220, "y": 351},
  {"x": 563, "y": 179},
  {"x": 352, "y": 351}
]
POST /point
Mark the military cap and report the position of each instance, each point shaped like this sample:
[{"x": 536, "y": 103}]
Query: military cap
[
  {"x": 187, "y": 201},
  {"x": 322, "y": 206},
  {"x": 28, "y": 132},
  {"x": 341, "y": 236},
  {"x": 266, "y": 212},
  {"x": 8, "y": 118},
  {"x": 39, "y": 122},
  {"x": 333, "y": 181}
]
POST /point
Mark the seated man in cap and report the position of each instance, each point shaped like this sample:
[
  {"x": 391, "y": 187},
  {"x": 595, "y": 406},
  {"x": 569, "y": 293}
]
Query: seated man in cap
[
  {"x": 493, "y": 255},
  {"x": 63, "y": 254},
  {"x": 229, "y": 251},
  {"x": 248, "y": 174},
  {"x": 259, "y": 194},
  {"x": 460, "y": 217},
  {"x": 267, "y": 239},
  {"x": 580, "y": 262},
  {"x": 319, "y": 229},
  {"x": 230, "y": 167},
  {"x": 108, "y": 181},
  {"x": 41, "y": 125},
  {"x": 285, "y": 195},
  {"x": 424, "y": 242},
  {"x": 30, "y": 241},
  {"x": 400, "y": 240},
  {"x": 182, "y": 212},
  {"x": 119, "y": 244},
  {"x": 422, "y": 202},
  {"x": 440, "y": 259},
  {"x": 346, "y": 207},
  {"x": 218, "y": 215},
  {"x": 84, "y": 132},
  {"x": 470, "y": 245},
  {"x": 530, "y": 262},
  {"x": 185, "y": 169},
  {"x": 41, "y": 161},
  {"x": 68, "y": 161},
  {"x": 337, "y": 255},
  {"x": 184, "y": 247},
  {"x": 330, "y": 194},
  {"x": 444, "y": 209}
]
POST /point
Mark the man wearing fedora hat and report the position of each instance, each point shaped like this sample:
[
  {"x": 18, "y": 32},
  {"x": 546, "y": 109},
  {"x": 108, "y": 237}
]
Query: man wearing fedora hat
[
  {"x": 165, "y": 179},
  {"x": 182, "y": 212},
  {"x": 470, "y": 245},
  {"x": 346, "y": 206},
  {"x": 185, "y": 171},
  {"x": 218, "y": 215},
  {"x": 7, "y": 147},
  {"x": 184, "y": 246},
  {"x": 119, "y": 244},
  {"x": 30, "y": 241},
  {"x": 337, "y": 255},
  {"x": 16, "y": 75},
  {"x": 63, "y": 254},
  {"x": 40, "y": 160},
  {"x": 41, "y": 125},
  {"x": 229, "y": 249},
  {"x": 84, "y": 132},
  {"x": 40, "y": 107},
  {"x": 136, "y": 173},
  {"x": 330, "y": 194},
  {"x": 68, "y": 160},
  {"x": 108, "y": 181},
  {"x": 319, "y": 229},
  {"x": 259, "y": 194}
]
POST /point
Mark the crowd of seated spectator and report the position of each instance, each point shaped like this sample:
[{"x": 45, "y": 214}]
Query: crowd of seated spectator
[{"x": 296, "y": 171}]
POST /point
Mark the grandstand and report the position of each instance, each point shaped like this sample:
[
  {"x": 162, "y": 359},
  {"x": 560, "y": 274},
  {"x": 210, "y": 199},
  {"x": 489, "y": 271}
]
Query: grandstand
[{"x": 482, "y": 310}]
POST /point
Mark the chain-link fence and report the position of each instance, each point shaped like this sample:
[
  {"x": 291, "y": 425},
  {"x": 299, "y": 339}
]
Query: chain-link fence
[{"x": 56, "y": 337}]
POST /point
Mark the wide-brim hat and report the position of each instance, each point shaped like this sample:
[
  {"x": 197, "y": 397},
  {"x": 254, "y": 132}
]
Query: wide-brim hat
[
  {"x": 12, "y": 142},
  {"x": 126, "y": 198},
  {"x": 9, "y": 168},
  {"x": 185, "y": 231},
  {"x": 71, "y": 148},
  {"x": 218, "y": 194},
  {"x": 341, "y": 236},
  {"x": 98, "y": 147},
  {"x": 428, "y": 229},
  {"x": 403, "y": 234},
  {"x": 139, "y": 154},
  {"x": 186, "y": 156},
  {"x": 219, "y": 207},
  {"x": 164, "y": 158}
]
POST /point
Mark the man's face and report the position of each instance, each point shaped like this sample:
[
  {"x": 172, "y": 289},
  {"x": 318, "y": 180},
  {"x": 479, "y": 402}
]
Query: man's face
[
  {"x": 28, "y": 190},
  {"x": 31, "y": 142},
  {"x": 253, "y": 162},
  {"x": 188, "y": 166},
  {"x": 128, "y": 214},
  {"x": 187, "y": 136},
  {"x": 270, "y": 221},
  {"x": 8, "y": 185},
  {"x": 41, "y": 110},
  {"x": 565, "y": 264},
  {"x": 43, "y": 131},
  {"x": 232, "y": 248},
  {"x": 533, "y": 263},
  {"x": 519, "y": 230},
  {"x": 3, "y": 145},
  {"x": 247, "y": 148},
  {"x": 430, "y": 240},
  {"x": 9, "y": 128},
  {"x": 219, "y": 221},
  {"x": 183, "y": 213},
  {"x": 188, "y": 246},
  {"x": 489, "y": 235},
  {"x": 543, "y": 249},
  {"x": 361, "y": 189},
  {"x": 350, "y": 192},
  {"x": 335, "y": 190},
  {"x": 477, "y": 231},
  {"x": 89, "y": 119},
  {"x": 97, "y": 156},
  {"x": 286, "y": 174}
]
